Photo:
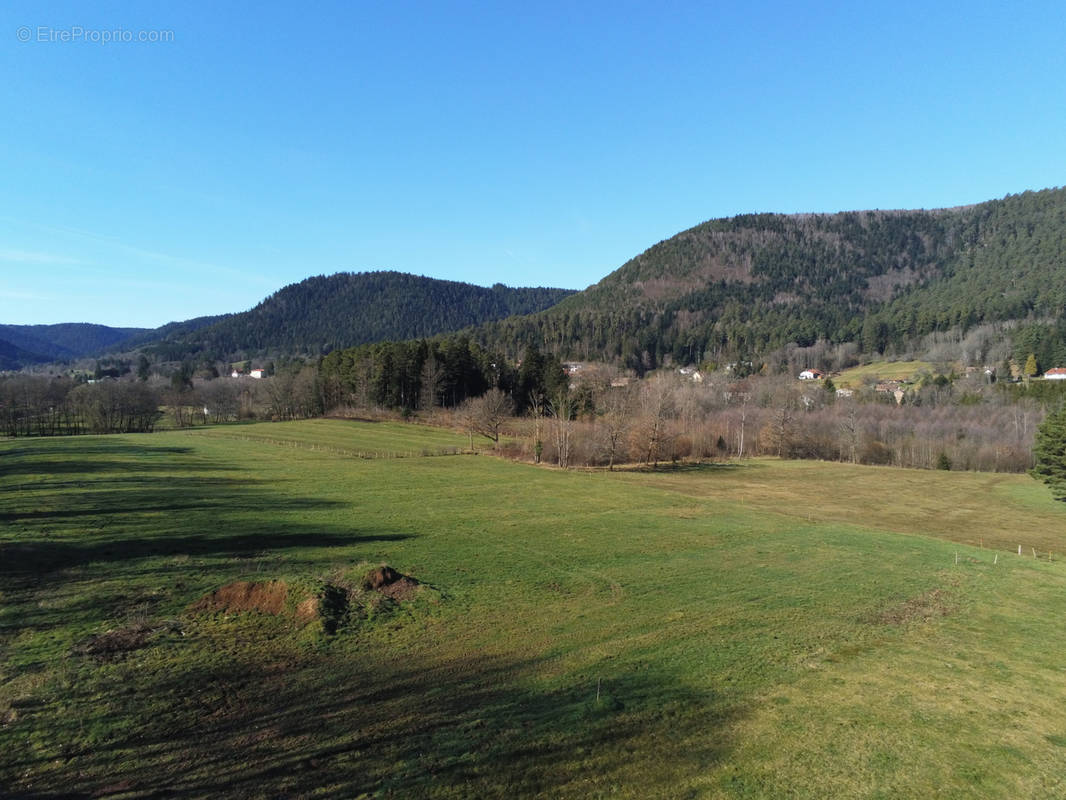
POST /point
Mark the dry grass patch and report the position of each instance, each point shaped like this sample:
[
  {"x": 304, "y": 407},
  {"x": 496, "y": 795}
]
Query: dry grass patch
[
  {"x": 922, "y": 608},
  {"x": 992, "y": 510}
]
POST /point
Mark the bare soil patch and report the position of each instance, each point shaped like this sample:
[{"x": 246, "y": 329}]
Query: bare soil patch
[
  {"x": 308, "y": 610},
  {"x": 924, "y": 607},
  {"x": 267, "y": 597},
  {"x": 113, "y": 643},
  {"x": 390, "y": 583}
]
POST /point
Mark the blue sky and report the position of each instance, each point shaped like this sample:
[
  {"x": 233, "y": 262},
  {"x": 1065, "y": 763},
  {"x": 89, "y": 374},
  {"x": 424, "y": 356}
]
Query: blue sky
[{"x": 528, "y": 143}]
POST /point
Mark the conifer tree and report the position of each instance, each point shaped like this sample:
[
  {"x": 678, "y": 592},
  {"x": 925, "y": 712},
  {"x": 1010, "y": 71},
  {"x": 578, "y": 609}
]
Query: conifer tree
[{"x": 1050, "y": 453}]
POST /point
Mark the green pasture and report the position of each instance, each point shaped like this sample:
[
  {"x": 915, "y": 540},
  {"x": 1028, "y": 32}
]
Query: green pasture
[
  {"x": 883, "y": 371},
  {"x": 348, "y": 437},
  {"x": 728, "y": 631}
]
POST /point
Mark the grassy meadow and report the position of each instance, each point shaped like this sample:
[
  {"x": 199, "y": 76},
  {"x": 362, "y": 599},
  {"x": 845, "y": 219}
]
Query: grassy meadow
[
  {"x": 883, "y": 371},
  {"x": 763, "y": 630}
]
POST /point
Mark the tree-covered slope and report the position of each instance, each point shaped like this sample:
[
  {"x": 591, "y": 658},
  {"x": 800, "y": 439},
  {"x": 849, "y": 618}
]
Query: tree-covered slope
[
  {"x": 324, "y": 313},
  {"x": 751, "y": 283},
  {"x": 13, "y": 357},
  {"x": 173, "y": 331},
  {"x": 64, "y": 340}
]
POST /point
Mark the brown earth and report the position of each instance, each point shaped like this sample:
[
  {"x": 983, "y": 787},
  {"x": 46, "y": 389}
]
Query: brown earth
[
  {"x": 113, "y": 643},
  {"x": 308, "y": 610},
  {"x": 380, "y": 577},
  {"x": 401, "y": 590},
  {"x": 391, "y": 583},
  {"x": 267, "y": 597}
]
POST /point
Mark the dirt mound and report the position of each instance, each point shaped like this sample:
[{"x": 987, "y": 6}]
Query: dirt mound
[
  {"x": 391, "y": 583},
  {"x": 401, "y": 590},
  {"x": 380, "y": 577},
  {"x": 267, "y": 597}
]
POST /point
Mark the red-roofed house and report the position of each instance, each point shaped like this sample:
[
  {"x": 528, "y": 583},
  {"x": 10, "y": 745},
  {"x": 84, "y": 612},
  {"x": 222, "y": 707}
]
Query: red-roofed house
[{"x": 1056, "y": 374}]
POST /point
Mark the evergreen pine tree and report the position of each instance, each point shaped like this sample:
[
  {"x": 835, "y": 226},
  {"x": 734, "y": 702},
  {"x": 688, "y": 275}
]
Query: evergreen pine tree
[{"x": 1050, "y": 453}]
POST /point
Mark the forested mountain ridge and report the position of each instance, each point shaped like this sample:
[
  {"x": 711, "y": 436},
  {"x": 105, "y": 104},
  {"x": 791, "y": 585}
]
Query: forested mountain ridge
[
  {"x": 726, "y": 290},
  {"x": 323, "y": 313},
  {"x": 13, "y": 357},
  {"x": 64, "y": 340},
  {"x": 741, "y": 286}
]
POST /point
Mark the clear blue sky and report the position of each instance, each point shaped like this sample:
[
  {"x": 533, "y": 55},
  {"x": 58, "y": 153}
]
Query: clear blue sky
[{"x": 529, "y": 143}]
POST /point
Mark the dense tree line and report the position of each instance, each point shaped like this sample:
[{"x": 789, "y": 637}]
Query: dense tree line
[
  {"x": 33, "y": 405},
  {"x": 443, "y": 372},
  {"x": 39, "y": 406},
  {"x": 1046, "y": 343}
]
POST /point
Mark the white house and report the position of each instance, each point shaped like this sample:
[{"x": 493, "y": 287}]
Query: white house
[
  {"x": 258, "y": 373},
  {"x": 811, "y": 375},
  {"x": 1055, "y": 374}
]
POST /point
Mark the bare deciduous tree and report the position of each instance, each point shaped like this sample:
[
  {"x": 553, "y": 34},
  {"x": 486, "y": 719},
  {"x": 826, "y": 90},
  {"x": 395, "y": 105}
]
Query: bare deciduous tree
[
  {"x": 536, "y": 411},
  {"x": 485, "y": 415},
  {"x": 652, "y": 431},
  {"x": 561, "y": 408},
  {"x": 615, "y": 421}
]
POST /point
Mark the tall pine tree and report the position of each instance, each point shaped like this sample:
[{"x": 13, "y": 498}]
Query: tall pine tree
[{"x": 1050, "y": 453}]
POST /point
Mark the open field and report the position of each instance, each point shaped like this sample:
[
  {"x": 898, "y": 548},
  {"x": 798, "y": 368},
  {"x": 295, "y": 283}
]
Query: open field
[
  {"x": 882, "y": 371},
  {"x": 776, "y": 629},
  {"x": 350, "y": 437},
  {"x": 984, "y": 509}
]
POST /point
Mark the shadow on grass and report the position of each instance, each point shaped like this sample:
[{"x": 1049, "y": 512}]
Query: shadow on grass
[
  {"x": 131, "y": 511},
  {"x": 95, "y": 446},
  {"x": 90, "y": 469},
  {"x": 399, "y": 725},
  {"x": 254, "y": 707},
  {"x": 139, "y": 494}
]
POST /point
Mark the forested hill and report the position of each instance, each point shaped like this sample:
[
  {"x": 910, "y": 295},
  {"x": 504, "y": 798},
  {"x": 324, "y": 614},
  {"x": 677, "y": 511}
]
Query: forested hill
[
  {"x": 13, "y": 357},
  {"x": 62, "y": 341},
  {"x": 324, "y": 313},
  {"x": 746, "y": 285}
]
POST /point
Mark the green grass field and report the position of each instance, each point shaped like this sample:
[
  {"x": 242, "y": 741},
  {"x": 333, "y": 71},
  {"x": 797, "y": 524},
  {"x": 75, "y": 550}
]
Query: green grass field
[
  {"x": 773, "y": 629},
  {"x": 349, "y": 438},
  {"x": 883, "y": 371}
]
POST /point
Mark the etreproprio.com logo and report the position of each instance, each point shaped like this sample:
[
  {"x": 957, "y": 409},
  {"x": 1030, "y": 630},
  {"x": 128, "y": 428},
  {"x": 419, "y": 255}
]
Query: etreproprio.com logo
[{"x": 47, "y": 34}]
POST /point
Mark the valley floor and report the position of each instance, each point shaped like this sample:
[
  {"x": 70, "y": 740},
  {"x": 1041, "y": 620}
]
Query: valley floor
[{"x": 759, "y": 630}]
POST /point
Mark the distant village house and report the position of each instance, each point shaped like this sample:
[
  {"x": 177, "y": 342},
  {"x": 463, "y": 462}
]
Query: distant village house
[
  {"x": 811, "y": 375},
  {"x": 258, "y": 374},
  {"x": 1055, "y": 374}
]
